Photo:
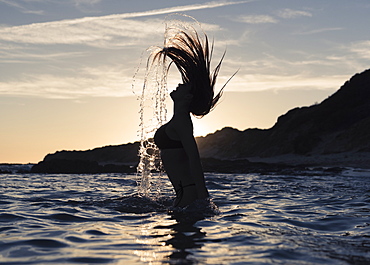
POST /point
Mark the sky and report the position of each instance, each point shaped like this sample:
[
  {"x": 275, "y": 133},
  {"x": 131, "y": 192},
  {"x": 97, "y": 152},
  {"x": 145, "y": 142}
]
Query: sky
[{"x": 67, "y": 67}]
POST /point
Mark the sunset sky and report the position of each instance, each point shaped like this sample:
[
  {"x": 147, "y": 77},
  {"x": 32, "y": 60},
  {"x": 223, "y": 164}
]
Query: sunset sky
[{"x": 67, "y": 66}]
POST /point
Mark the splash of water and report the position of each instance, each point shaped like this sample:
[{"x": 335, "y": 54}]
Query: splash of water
[{"x": 152, "y": 116}]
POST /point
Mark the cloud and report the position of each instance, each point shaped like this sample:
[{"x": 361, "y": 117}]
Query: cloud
[
  {"x": 290, "y": 13},
  {"x": 87, "y": 6},
  {"x": 176, "y": 9},
  {"x": 104, "y": 31},
  {"x": 12, "y": 3},
  {"x": 15, "y": 54},
  {"x": 86, "y": 2},
  {"x": 256, "y": 19},
  {"x": 316, "y": 31},
  {"x": 105, "y": 81},
  {"x": 301, "y": 70},
  {"x": 362, "y": 49},
  {"x": 96, "y": 32},
  {"x": 262, "y": 19},
  {"x": 21, "y": 7},
  {"x": 260, "y": 82}
]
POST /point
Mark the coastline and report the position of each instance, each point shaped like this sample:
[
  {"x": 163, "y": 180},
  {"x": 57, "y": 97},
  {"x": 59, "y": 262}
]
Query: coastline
[
  {"x": 359, "y": 160},
  {"x": 343, "y": 161}
]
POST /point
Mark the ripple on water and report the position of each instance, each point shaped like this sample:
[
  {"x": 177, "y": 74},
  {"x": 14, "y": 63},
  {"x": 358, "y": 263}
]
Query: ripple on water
[
  {"x": 6, "y": 217},
  {"x": 88, "y": 260},
  {"x": 65, "y": 217},
  {"x": 44, "y": 243},
  {"x": 76, "y": 239}
]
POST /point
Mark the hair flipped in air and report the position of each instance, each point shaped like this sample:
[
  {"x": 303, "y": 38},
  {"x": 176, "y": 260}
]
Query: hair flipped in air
[{"x": 192, "y": 57}]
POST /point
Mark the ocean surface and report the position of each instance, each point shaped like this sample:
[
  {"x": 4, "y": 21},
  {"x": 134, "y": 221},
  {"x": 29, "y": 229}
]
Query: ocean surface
[{"x": 312, "y": 217}]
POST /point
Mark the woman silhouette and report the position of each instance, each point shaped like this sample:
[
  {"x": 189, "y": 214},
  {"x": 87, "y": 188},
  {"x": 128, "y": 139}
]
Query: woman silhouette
[{"x": 175, "y": 139}]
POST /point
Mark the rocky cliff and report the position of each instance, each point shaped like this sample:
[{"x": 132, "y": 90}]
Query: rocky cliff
[
  {"x": 340, "y": 123},
  {"x": 107, "y": 159},
  {"x": 114, "y": 154}
]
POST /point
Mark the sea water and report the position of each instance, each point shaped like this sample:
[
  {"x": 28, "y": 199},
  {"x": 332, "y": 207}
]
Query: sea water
[{"x": 314, "y": 217}]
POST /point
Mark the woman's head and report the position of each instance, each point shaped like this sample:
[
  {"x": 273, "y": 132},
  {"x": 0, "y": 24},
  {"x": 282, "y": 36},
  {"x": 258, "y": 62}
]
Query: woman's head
[{"x": 192, "y": 57}]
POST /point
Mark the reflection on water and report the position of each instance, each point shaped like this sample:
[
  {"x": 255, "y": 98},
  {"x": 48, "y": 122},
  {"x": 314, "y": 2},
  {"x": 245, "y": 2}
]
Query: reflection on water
[
  {"x": 314, "y": 218},
  {"x": 149, "y": 236},
  {"x": 170, "y": 240}
]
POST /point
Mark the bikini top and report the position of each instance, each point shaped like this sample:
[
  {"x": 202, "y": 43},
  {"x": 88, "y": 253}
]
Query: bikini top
[{"x": 163, "y": 141}]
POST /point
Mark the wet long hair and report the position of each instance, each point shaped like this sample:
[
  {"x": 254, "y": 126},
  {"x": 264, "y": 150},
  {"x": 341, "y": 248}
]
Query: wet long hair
[{"x": 192, "y": 57}]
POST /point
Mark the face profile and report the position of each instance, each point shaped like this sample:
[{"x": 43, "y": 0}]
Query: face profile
[{"x": 182, "y": 91}]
